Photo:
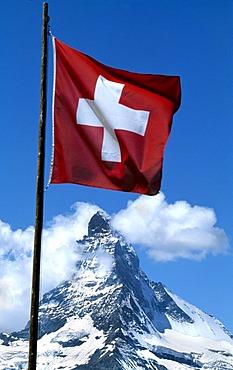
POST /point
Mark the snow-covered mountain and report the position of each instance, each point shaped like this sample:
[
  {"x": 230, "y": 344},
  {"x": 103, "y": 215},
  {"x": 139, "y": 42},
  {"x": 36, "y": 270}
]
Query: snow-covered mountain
[{"x": 110, "y": 316}]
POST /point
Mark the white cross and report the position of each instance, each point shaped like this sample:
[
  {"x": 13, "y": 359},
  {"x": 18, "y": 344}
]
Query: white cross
[{"x": 106, "y": 111}]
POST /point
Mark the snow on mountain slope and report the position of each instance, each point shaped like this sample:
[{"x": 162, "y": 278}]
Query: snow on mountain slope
[
  {"x": 110, "y": 316},
  {"x": 205, "y": 325}
]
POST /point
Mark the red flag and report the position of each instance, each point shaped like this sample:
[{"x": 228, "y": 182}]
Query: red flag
[{"x": 110, "y": 125}]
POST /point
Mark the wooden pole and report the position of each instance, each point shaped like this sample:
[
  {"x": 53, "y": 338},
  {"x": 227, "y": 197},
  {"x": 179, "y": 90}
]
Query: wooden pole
[{"x": 35, "y": 293}]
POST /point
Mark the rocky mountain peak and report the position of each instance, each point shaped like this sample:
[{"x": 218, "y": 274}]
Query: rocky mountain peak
[
  {"x": 99, "y": 223},
  {"x": 109, "y": 315}
]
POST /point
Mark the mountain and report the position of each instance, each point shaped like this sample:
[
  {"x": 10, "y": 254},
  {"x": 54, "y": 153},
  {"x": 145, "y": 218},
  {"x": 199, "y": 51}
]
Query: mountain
[{"x": 110, "y": 316}]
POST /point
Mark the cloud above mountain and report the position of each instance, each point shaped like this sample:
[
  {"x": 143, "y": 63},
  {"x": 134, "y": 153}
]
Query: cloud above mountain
[
  {"x": 59, "y": 256},
  {"x": 171, "y": 231},
  {"x": 166, "y": 231}
]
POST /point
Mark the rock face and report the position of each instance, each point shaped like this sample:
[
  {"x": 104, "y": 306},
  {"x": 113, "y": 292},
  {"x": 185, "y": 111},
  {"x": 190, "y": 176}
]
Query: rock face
[{"x": 110, "y": 316}]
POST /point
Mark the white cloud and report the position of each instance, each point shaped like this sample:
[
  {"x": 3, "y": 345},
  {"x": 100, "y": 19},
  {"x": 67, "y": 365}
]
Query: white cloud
[
  {"x": 171, "y": 231},
  {"x": 167, "y": 231},
  {"x": 59, "y": 254},
  {"x": 60, "y": 249}
]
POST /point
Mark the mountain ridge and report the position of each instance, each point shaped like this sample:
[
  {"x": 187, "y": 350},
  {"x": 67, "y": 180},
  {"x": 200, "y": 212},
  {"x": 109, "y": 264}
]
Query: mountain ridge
[{"x": 109, "y": 315}]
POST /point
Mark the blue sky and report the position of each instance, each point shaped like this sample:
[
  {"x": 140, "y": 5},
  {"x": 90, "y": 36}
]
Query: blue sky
[{"x": 189, "y": 38}]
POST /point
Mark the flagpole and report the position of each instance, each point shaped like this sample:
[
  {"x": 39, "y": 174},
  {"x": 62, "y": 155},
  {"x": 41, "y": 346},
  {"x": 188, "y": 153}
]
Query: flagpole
[{"x": 39, "y": 200}]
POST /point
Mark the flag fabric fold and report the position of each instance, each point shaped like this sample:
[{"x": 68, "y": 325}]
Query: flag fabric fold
[{"x": 110, "y": 125}]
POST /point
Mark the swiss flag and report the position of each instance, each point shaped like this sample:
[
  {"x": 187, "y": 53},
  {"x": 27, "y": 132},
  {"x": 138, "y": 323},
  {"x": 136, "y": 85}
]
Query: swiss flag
[{"x": 110, "y": 125}]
